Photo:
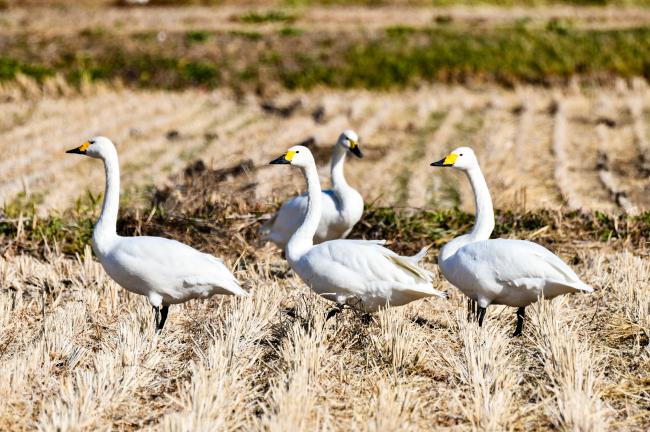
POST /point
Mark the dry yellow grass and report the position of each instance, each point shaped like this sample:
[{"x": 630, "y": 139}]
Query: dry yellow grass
[
  {"x": 80, "y": 353},
  {"x": 537, "y": 148}
]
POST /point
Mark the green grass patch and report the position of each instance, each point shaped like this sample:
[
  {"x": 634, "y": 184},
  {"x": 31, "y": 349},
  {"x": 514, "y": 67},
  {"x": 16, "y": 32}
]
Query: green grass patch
[
  {"x": 10, "y": 68},
  {"x": 255, "y": 17},
  {"x": 545, "y": 53},
  {"x": 290, "y": 31},
  {"x": 197, "y": 36},
  {"x": 505, "y": 55}
]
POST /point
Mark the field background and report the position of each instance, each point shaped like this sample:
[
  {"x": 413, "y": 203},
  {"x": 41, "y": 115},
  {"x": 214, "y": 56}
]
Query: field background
[{"x": 199, "y": 95}]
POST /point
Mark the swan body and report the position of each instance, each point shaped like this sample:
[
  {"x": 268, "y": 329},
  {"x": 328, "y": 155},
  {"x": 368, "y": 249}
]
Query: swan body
[
  {"x": 500, "y": 271},
  {"x": 509, "y": 272},
  {"x": 342, "y": 205},
  {"x": 359, "y": 273},
  {"x": 163, "y": 270}
]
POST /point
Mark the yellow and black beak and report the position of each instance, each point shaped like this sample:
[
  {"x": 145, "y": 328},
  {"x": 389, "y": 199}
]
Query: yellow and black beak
[
  {"x": 284, "y": 159},
  {"x": 355, "y": 150},
  {"x": 448, "y": 161},
  {"x": 81, "y": 149}
]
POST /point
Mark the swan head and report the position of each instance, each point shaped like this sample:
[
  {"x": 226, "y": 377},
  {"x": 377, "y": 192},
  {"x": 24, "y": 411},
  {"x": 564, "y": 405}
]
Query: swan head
[
  {"x": 462, "y": 158},
  {"x": 96, "y": 147},
  {"x": 299, "y": 156},
  {"x": 349, "y": 140}
]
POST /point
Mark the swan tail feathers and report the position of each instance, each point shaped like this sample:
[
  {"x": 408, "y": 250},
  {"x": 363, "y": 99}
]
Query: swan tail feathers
[
  {"x": 407, "y": 264},
  {"x": 418, "y": 256},
  {"x": 579, "y": 285}
]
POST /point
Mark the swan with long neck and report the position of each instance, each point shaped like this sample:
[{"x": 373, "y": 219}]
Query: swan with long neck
[
  {"x": 359, "y": 273},
  {"x": 341, "y": 209},
  {"x": 500, "y": 271},
  {"x": 165, "y": 271}
]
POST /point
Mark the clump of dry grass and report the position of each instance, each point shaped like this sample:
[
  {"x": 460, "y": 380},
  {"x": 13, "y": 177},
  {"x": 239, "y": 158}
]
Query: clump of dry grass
[
  {"x": 398, "y": 342},
  {"x": 574, "y": 369},
  {"x": 272, "y": 362},
  {"x": 488, "y": 371},
  {"x": 225, "y": 375}
]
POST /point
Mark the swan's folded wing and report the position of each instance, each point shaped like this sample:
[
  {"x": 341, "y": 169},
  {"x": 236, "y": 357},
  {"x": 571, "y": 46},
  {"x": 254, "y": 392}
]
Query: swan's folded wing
[
  {"x": 519, "y": 260},
  {"x": 375, "y": 262},
  {"x": 166, "y": 258}
]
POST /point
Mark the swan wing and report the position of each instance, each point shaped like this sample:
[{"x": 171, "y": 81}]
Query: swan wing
[
  {"x": 370, "y": 266},
  {"x": 521, "y": 264},
  {"x": 163, "y": 262}
]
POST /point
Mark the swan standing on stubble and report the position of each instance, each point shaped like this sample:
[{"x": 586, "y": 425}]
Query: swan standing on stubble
[
  {"x": 358, "y": 273},
  {"x": 500, "y": 271},
  {"x": 342, "y": 205},
  {"x": 165, "y": 271}
]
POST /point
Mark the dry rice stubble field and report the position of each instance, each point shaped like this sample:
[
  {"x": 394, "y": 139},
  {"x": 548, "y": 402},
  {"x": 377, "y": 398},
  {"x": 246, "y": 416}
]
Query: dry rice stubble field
[{"x": 79, "y": 351}]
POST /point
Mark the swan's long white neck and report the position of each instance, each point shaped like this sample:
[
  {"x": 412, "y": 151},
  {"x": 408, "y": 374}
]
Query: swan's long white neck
[
  {"x": 484, "y": 223},
  {"x": 339, "y": 183},
  {"x": 106, "y": 227},
  {"x": 303, "y": 239}
]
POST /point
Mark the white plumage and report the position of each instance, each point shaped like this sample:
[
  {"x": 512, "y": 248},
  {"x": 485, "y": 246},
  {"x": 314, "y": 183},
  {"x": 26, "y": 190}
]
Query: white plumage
[
  {"x": 342, "y": 205},
  {"x": 359, "y": 273},
  {"x": 500, "y": 271},
  {"x": 165, "y": 271}
]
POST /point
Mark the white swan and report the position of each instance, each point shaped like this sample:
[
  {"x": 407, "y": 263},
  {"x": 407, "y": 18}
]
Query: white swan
[
  {"x": 342, "y": 205},
  {"x": 358, "y": 273},
  {"x": 501, "y": 271},
  {"x": 165, "y": 271}
]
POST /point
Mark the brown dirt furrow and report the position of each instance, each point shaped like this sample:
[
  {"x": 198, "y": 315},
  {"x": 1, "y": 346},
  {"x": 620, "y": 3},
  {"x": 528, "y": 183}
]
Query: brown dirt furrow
[
  {"x": 618, "y": 156},
  {"x": 607, "y": 167},
  {"x": 576, "y": 152},
  {"x": 143, "y": 154}
]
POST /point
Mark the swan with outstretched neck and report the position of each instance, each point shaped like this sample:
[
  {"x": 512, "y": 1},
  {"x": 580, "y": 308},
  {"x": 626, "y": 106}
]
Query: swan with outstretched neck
[
  {"x": 165, "y": 271},
  {"x": 499, "y": 271},
  {"x": 358, "y": 273},
  {"x": 342, "y": 205}
]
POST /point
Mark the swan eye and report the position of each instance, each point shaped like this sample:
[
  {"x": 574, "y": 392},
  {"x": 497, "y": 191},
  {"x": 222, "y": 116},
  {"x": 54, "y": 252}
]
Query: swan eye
[
  {"x": 297, "y": 151},
  {"x": 460, "y": 154}
]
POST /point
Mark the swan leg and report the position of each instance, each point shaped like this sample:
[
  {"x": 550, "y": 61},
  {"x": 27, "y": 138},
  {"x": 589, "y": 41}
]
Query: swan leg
[
  {"x": 481, "y": 315},
  {"x": 334, "y": 311},
  {"x": 520, "y": 321},
  {"x": 472, "y": 311},
  {"x": 156, "y": 315},
  {"x": 163, "y": 318}
]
